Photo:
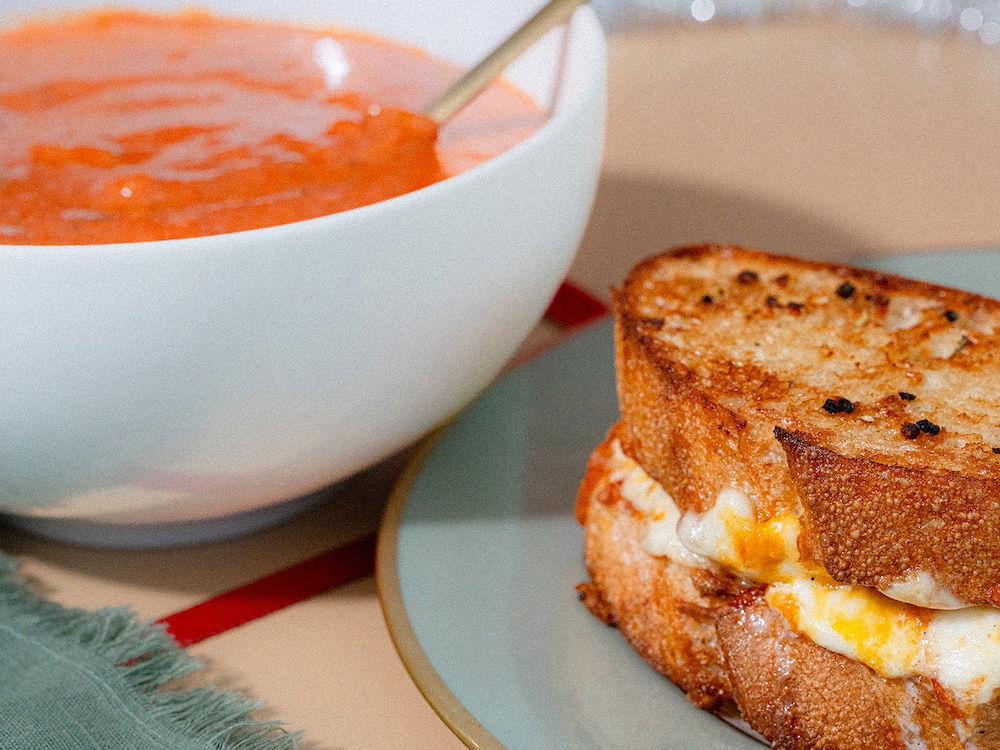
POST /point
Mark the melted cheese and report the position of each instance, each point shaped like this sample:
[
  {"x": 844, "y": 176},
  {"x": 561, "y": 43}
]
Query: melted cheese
[
  {"x": 762, "y": 551},
  {"x": 648, "y": 497},
  {"x": 960, "y": 648},
  {"x": 919, "y": 587}
]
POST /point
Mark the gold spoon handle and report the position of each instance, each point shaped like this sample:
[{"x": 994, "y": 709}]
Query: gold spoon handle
[{"x": 465, "y": 88}]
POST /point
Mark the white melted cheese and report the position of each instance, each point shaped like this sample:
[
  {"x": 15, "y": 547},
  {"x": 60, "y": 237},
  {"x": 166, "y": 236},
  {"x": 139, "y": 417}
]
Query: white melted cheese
[
  {"x": 648, "y": 497},
  {"x": 920, "y": 588},
  {"x": 960, "y": 648}
]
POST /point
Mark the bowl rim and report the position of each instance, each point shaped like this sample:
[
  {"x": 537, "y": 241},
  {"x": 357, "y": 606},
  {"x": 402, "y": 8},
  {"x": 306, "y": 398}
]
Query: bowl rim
[{"x": 594, "y": 61}]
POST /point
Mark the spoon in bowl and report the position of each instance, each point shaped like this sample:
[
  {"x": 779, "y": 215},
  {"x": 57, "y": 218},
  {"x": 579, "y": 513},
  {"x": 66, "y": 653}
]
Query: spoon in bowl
[{"x": 465, "y": 88}]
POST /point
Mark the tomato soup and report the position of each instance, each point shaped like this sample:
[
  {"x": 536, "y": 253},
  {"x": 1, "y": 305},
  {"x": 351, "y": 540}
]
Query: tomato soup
[{"x": 124, "y": 127}]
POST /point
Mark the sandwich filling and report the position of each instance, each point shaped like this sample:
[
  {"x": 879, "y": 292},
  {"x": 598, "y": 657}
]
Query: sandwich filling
[{"x": 959, "y": 648}]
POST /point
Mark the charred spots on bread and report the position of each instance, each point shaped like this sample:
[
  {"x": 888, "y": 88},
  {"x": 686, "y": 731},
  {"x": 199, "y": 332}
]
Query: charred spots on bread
[
  {"x": 878, "y": 299},
  {"x": 913, "y": 430},
  {"x": 996, "y": 450},
  {"x": 746, "y": 278},
  {"x": 707, "y": 299},
  {"x": 950, "y": 315},
  {"x": 846, "y": 290},
  {"x": 795, "y": 308},
  {"x": 928, "y": 426},
  {"x": 838, "y": 405},
  {"x": 782, "y": 280},
  {"x": 906, "y": 396}
]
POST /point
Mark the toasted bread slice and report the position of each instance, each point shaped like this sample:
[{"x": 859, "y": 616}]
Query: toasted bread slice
[
  {"x": 721, "y": 642},
  {"x": 865, "y": 403}
]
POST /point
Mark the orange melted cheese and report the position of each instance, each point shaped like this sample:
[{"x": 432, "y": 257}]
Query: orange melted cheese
[
  {"x": 122, "y": 127},
  {"x": 884, "y": 634},
  {"x": 760, "y": 546},
  {"x": 764, "y": 551}
]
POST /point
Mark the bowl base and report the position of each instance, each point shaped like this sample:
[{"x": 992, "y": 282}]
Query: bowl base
[{"x": 160, "y": 535}]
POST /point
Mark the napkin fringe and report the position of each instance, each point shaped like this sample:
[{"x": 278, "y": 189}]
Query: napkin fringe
[{"x": 146, "y": 658}]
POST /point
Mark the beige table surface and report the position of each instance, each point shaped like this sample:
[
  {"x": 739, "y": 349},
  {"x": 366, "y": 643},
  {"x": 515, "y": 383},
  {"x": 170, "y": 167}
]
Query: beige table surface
[{"x": 817, "y": 137}]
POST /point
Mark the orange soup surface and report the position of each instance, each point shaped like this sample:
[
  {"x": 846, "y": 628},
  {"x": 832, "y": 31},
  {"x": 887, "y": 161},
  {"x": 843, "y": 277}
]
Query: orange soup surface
[{"x": 123, "y": 127}]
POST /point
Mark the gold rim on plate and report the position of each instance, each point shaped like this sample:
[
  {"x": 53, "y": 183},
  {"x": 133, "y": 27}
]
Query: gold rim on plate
[{"x": 428, "y": 682}]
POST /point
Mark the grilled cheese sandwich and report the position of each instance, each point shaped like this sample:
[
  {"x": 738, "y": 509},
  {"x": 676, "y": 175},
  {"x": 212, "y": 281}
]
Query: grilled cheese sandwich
[
  {"x": 958, "y": 648},
  {"x": 799, "y": 514}
]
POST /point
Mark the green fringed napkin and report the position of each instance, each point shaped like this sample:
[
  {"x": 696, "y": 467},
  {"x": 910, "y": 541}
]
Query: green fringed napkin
[{"x": 73, "y": 679}]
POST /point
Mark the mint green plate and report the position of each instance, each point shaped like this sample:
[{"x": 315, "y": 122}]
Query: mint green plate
[
  {"x": 479, "y": 554},
  {"x": 975, "y": 269}
]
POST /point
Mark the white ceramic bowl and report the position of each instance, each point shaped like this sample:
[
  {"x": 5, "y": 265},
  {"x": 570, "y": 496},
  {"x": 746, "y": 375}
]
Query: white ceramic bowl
[{"x": 170, "y": 392}]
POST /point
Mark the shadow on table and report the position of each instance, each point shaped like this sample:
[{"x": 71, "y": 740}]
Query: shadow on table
[
  {"x": 520, "y": 452},
  {"x": 348, "y": 510},
  {"x": 636, "y": 216}
]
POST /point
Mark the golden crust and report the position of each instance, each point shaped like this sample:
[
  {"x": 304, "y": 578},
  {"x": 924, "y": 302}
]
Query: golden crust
[
  {"x": 718, "y": 346},
  {"x": 721, "y": 643},
  {"x": 873, "y": 520},
  {"x": 670, "y": 623}
]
